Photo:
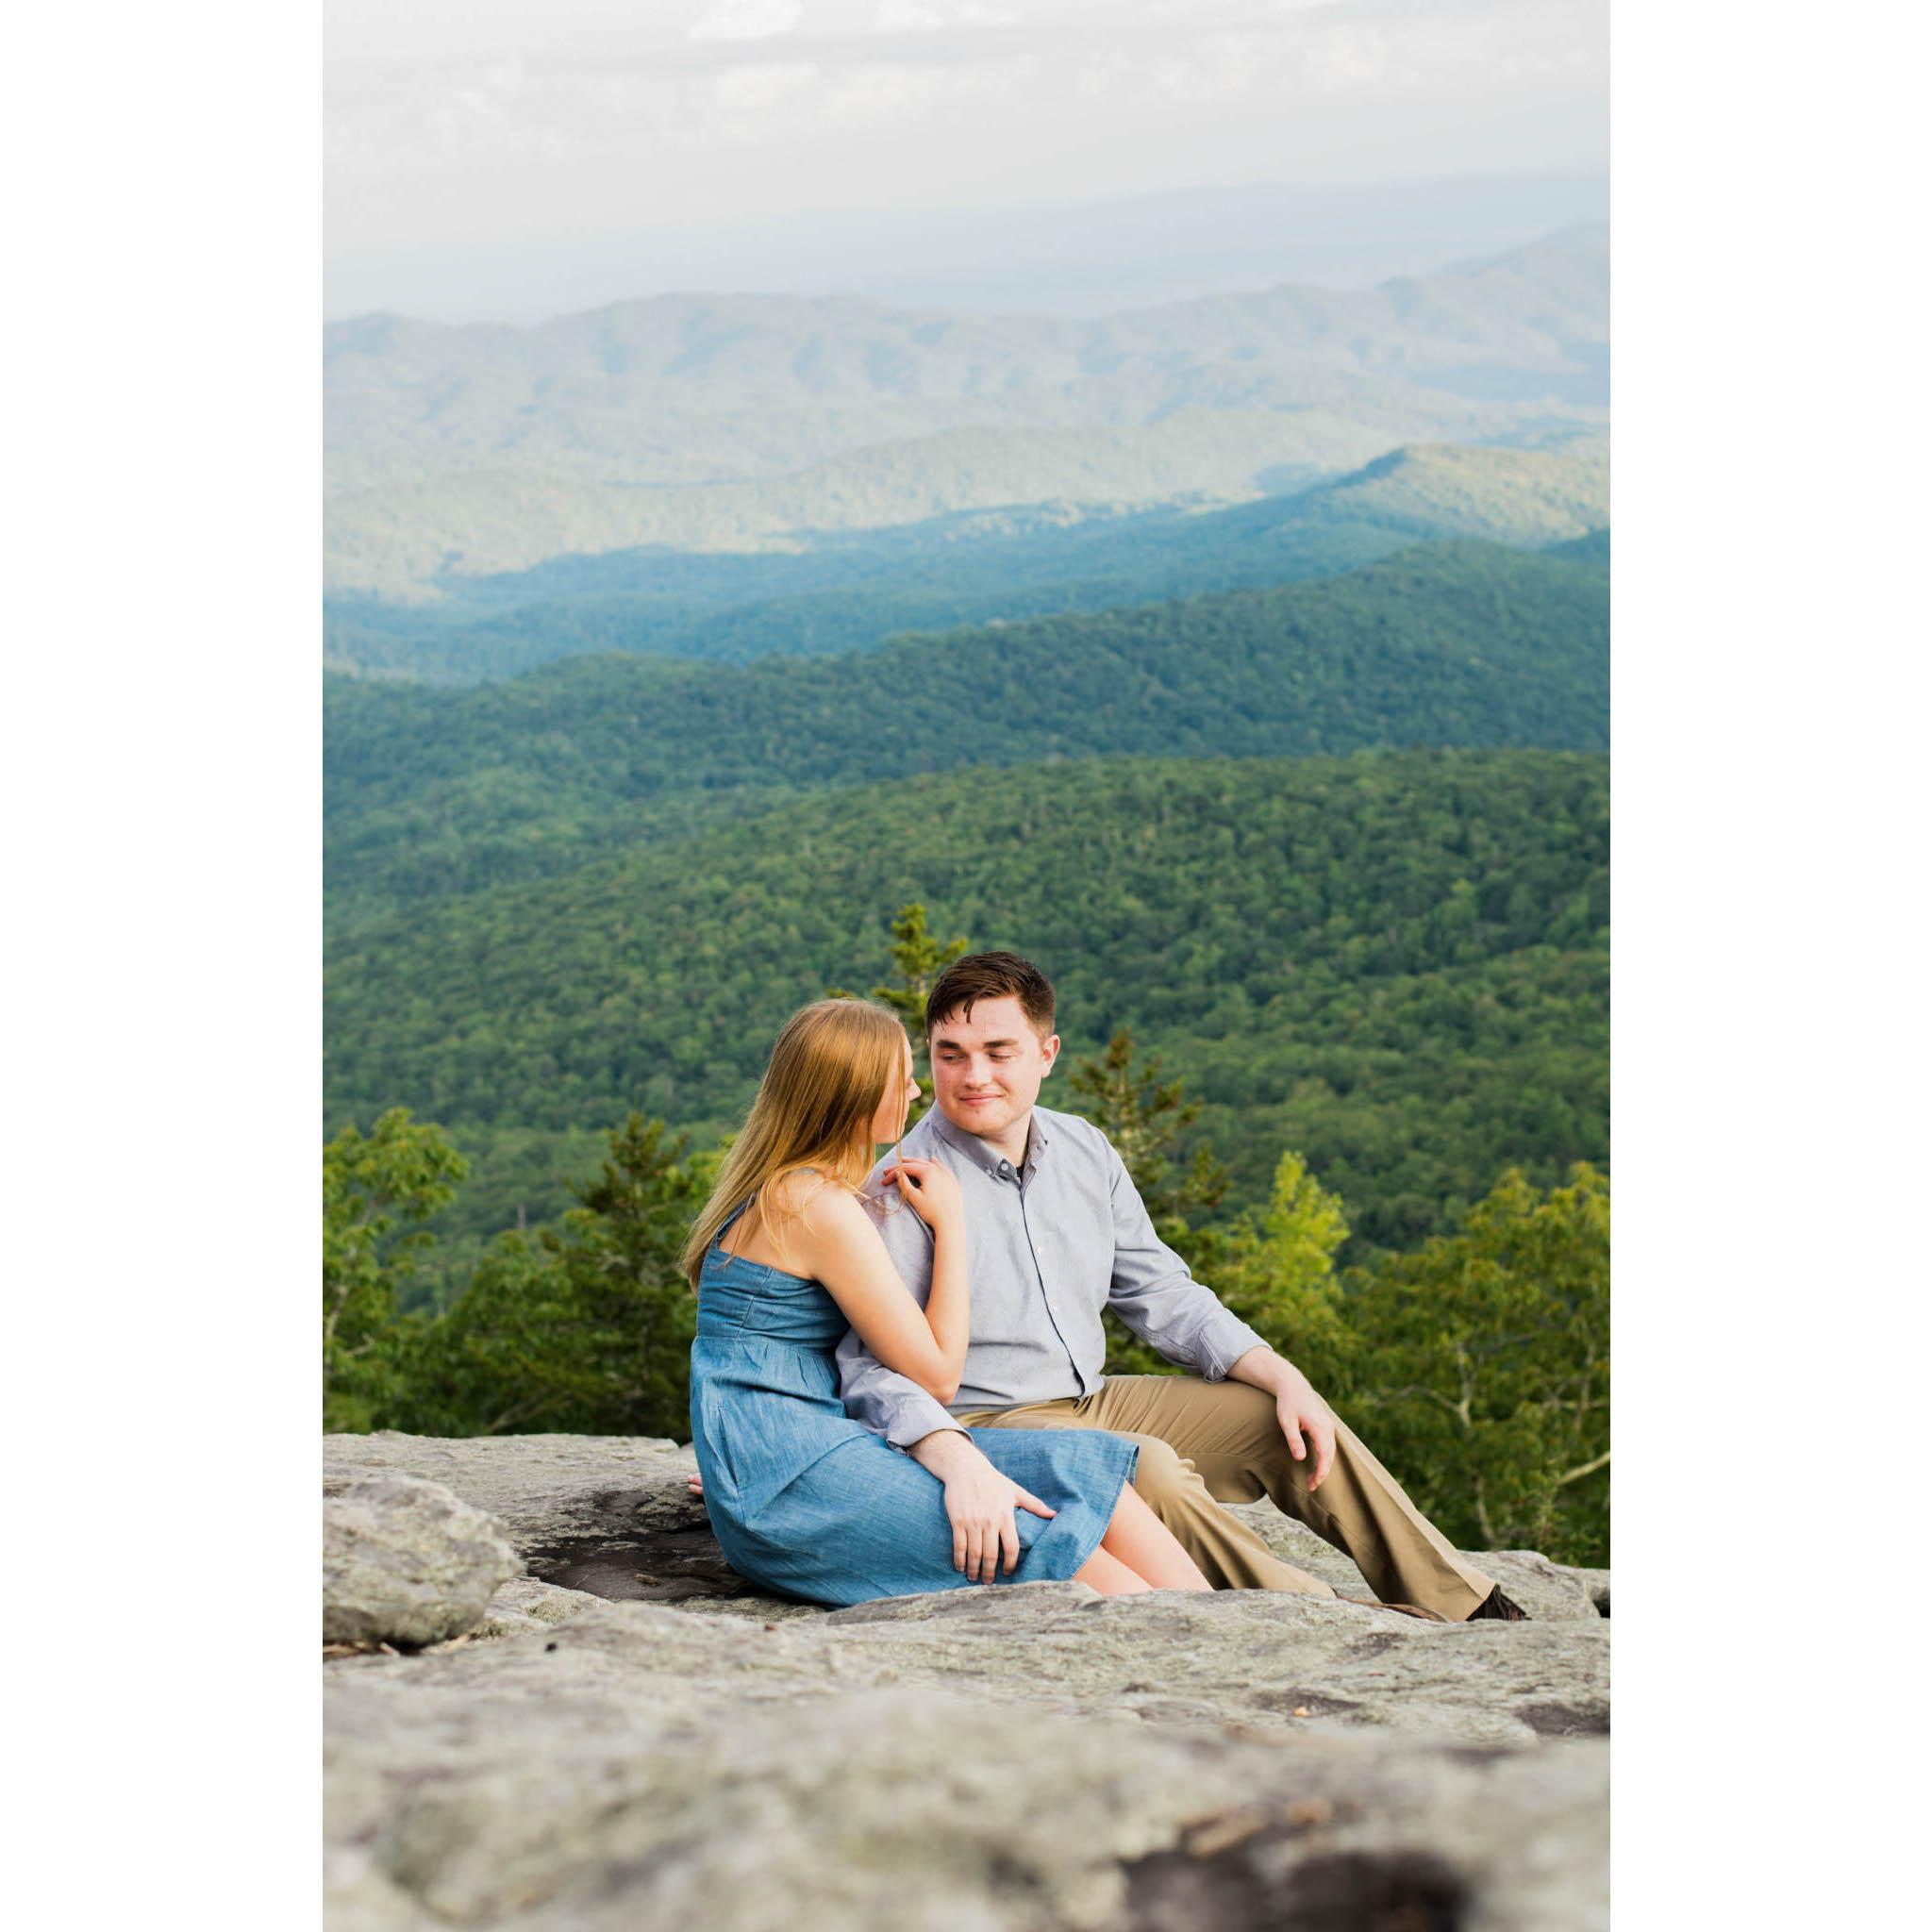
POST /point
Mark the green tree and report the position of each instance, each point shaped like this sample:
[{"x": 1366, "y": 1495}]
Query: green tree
[
  {"x": 1270, "y": 927},
  {"x": 1145, "y": 1117},
  {"x": 1482, "y": 1370},
  {"x": 917, "y": 961},
  {"x": 582, "y": 1326},
  {"x": 489, "y": 1362},
  {"x": 618, "y": 1252},
  {"x": 376, "y": 1188},
  {"x": 1277, "y": 1273}
]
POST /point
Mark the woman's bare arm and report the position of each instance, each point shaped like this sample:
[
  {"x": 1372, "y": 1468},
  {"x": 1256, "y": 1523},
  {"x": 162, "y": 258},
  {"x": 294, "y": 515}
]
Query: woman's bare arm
[{"x": 836, "y": 1242}]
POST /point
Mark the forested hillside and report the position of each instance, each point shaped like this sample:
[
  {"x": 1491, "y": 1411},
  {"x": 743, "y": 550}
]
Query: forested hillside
[
  {"x": 837, "y": 593},
  {"x": 432, "y": 792},
  {"x": 1395, "y": 963}
]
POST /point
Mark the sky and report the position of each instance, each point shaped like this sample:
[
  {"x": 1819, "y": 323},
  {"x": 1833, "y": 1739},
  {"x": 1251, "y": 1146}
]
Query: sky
[{"x": 503, "y": 159}]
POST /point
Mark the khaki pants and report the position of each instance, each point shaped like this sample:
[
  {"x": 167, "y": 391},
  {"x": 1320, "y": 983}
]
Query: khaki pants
[{"x": 1204, "y": 1444}]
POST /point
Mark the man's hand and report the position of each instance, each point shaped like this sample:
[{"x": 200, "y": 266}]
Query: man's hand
[
  {"x": 979, "y": 1503},
  {"x": 1307, "y": 1421}
]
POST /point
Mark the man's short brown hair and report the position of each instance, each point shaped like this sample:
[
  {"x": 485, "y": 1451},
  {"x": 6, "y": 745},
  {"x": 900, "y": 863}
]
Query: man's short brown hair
[{"x": 990, "y": 977}]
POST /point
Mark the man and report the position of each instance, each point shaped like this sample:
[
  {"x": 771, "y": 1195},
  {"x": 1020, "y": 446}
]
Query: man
[{"x": 1058, "y": 1234}]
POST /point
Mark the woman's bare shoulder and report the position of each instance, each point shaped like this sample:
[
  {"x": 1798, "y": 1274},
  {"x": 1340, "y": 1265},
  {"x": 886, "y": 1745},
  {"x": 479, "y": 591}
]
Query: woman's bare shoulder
[
  {"x": 790, "y": 1195},
  {"x": 782, "y": 1194},
  {"x": 810, "y": 1203}
]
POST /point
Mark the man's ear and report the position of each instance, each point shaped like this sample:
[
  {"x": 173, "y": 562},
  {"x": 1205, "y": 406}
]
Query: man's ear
[{"x": 1050, "y": 1049}]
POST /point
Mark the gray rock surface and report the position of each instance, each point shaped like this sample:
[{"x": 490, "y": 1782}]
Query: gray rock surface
[
  {"x": 610, "y": 1514},
  {"x": 404, "y": 1561},
  {"x": 1020, "y": 1756},
  {"x": 999, "y": 1764},
  {"x": 604, "y": 1513},
  {"x": 1549, "y": 1591}
]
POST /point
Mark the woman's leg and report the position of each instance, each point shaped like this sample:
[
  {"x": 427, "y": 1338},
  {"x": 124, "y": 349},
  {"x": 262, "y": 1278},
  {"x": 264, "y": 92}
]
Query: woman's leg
[
  {"x": 1138, "y": 1545},
  {"x": 1111, "y": 1576}
]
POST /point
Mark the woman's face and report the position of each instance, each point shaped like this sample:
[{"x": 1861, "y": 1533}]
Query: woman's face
[{"x": 889, "y": 1123}]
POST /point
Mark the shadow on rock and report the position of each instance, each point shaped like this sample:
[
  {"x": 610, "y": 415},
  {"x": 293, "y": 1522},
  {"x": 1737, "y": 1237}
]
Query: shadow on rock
[{"x": 1239, "y": 1889}]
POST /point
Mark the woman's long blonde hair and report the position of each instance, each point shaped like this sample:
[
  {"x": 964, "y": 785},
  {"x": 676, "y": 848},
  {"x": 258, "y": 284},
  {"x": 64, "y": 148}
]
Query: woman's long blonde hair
[{"x": 832, "y": 1066}]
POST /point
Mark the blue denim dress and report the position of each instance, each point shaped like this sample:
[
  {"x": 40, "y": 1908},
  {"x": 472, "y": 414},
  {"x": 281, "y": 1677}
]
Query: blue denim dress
[{"x": 807, "y": 1502}]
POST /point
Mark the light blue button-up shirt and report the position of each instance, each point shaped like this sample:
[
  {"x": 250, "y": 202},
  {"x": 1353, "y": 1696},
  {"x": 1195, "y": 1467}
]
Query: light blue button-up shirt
[{"x": 1051, "y": 1243}]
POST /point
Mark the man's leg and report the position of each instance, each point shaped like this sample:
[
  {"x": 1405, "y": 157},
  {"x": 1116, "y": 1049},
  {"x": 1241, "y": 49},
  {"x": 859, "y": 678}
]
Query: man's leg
[
  {"x": 1230, "y": 1554},
  {"x": 1228, "y": 1437}
]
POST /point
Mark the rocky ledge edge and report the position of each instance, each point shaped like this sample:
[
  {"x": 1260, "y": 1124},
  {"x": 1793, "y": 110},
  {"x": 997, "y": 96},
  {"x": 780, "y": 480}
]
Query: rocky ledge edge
[{"x": 552, "y": 1707}]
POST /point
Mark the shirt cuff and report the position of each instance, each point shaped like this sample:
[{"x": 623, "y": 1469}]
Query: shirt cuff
[
  {"x": 1222, "y": 1343},
  {"x": 915, "y": 1418}
]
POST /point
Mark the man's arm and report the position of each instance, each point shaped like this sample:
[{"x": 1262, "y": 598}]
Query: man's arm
[
  {"x": 1305, "y": 1418},
  {"x": 1152, "y": 1293},
  {"x": 888, "y": 1404},
  {"x": 1160, "y": 1301}
]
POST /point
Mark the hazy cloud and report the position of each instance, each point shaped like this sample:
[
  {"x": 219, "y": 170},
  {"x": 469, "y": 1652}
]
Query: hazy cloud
[
  {"x": 918, "y": 17},
  {"x": 906, "y": 17},
  {"x": 601, "y": 115},
  {"x": 748, "y": 20}
]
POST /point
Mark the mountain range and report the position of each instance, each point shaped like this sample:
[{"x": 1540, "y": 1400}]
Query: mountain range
[
  {"x": 735, "y": 421},
  {"x": 831, "y": 593}
]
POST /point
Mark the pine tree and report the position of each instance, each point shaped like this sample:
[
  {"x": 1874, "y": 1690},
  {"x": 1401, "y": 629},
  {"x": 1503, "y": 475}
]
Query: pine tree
[
  {"x": 582, "y": 1326},
  {"x": 1145, "y": 1118},
  {"x": 917, "y": 959}
]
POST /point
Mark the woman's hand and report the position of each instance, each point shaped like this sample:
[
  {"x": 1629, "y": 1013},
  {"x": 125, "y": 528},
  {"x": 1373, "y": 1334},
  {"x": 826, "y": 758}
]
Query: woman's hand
[
  {"x": 979, "y": 1504},
  {"x": 932, "y": 1190}
]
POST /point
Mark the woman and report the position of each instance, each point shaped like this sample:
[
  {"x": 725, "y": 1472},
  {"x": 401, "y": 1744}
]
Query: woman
[{"x": 784, "y": 1257}]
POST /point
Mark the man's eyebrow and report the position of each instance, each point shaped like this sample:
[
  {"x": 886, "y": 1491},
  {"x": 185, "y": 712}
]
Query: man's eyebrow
[{"x": 990, "y": 1044}]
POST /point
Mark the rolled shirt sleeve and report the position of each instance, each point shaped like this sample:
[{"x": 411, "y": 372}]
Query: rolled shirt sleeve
[
  {"x": 888, "y": 1404},
  {"x": 1152, "y": 1293}
]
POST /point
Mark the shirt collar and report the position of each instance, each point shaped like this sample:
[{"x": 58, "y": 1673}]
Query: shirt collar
[{"x": 982, "y": 1154}]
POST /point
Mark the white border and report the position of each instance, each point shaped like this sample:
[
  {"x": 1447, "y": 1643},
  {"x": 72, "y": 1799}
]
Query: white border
[
  {"x": 1768, "y": 639},
  {"x": 162, "y": 762},
  {"x": 161, "y": 739}
]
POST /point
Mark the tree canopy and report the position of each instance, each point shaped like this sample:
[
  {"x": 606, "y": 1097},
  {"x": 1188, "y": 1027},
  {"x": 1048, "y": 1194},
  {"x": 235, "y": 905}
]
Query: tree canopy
[
  {"x": 436, "y": 791},
  {"x": 1397, "y": 963}
]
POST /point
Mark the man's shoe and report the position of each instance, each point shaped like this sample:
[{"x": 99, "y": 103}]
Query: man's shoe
[
  {"x": 1499, "y": 1607},
  {"x": 1369, "y": 1603}
]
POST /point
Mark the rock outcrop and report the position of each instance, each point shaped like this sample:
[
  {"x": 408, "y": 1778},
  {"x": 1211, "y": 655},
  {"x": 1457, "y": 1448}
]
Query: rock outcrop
[
  {"x": 404, "y": 1562},
  {"x": 631, "y": 1735}
]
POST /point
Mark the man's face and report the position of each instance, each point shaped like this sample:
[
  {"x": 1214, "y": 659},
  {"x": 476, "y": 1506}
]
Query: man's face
[{"x": 986, "y": 1067}]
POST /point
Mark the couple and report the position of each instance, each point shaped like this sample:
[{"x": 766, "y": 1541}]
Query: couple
[{"x": 895, "y": 1384}]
